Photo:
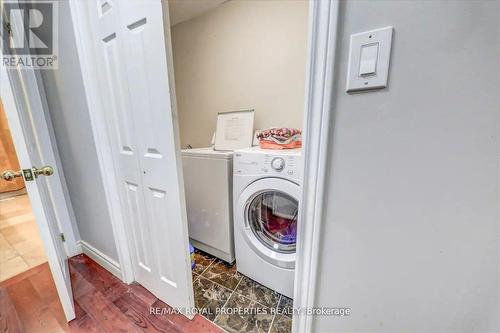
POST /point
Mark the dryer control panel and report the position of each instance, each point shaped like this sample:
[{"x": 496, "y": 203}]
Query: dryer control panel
[{"x": 275, "y": 163}]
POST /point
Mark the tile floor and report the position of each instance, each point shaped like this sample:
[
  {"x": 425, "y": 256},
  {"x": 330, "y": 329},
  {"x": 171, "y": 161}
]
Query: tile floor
[
  {"x": 247, "y": 306},
  {"x": 21, "y": 246}
]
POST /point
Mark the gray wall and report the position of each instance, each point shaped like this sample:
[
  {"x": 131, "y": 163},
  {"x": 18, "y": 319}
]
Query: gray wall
[
  {"x": 410, "y": 238},
  {"x": 70, "y": 119}
]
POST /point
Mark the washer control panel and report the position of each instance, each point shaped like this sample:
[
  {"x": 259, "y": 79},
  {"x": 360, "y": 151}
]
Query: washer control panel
[{"x": 283, "y": 164}]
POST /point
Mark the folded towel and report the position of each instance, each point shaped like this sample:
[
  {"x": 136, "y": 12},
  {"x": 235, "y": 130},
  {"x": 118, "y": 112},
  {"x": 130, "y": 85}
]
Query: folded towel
[{"x": 280, "y": 138}]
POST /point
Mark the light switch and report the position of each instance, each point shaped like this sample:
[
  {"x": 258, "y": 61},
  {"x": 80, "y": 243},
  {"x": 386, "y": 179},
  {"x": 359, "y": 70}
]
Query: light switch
[
  {"x": 369, "y": 55},
  {"x": 368, "y": 59}
]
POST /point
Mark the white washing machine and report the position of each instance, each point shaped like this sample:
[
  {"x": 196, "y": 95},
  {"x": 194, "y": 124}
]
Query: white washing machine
[
  {"x": 266, "y": 192},
  {"x": 208, "y": 176}
]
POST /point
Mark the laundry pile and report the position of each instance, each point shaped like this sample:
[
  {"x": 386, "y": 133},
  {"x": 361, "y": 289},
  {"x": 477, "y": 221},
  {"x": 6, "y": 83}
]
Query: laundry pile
[{"x": 280, "y": 138}]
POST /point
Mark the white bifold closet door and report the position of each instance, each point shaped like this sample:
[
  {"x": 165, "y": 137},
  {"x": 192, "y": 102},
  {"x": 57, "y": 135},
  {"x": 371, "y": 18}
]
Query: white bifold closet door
[{"x": 134, "y": 86}]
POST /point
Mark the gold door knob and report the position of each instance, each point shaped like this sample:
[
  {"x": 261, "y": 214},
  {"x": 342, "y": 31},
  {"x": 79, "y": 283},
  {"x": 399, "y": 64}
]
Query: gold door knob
[
  {"x": 43, "y": 171},
  {"x": 28, "y": 174},
  {"x": 10, "y": 175}
]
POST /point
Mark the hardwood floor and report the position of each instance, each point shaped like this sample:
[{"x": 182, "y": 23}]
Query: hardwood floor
[
  {"x": 29, "y": 303},
  {"x": 103, "y": 304}
]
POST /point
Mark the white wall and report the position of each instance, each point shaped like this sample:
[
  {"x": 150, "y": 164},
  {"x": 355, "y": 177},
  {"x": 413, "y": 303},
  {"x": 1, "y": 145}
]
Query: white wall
[
  {"x": 411, "y": 232},
  {"x": 241, "y": 55},
  {"x": 70, "y": 118}
]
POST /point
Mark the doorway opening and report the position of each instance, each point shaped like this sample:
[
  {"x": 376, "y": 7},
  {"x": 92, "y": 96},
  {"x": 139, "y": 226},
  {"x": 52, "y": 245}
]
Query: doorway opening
[
  {"x": 115, "y": 37},
  {"x": 242, "y": 201}
]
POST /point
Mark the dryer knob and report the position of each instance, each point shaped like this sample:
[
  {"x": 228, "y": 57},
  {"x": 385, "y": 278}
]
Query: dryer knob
[{"x": 278, "y": 163}]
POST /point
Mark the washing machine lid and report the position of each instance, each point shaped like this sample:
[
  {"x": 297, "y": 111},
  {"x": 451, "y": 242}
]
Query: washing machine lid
[{"x": 207, "y": 152}]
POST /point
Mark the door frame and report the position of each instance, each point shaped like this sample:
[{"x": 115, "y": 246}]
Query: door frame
[
  {"x": 323, "y": 30},
  {"x": 65, "y": 213},
  {"x": 318, "y": 124}
]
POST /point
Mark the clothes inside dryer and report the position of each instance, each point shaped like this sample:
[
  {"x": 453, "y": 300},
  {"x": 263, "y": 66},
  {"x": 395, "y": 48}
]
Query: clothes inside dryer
[{"x": 272, "y": 216}]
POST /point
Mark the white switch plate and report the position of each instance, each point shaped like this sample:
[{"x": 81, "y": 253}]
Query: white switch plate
[
  {"x": 355, "y": 80},
  {"x": 368, "y": 60}
]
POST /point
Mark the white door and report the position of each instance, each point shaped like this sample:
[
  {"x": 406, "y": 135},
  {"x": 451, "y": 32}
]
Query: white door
[
  {"x": 134, "y": 89},
  {"x": 31, "y": 137}
]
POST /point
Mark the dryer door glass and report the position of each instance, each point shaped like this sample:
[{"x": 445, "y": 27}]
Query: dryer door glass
[{"x": 272, "y": 216}]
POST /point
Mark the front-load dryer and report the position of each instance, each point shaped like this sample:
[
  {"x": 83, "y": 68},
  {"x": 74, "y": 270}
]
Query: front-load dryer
[{"x": 266, "y": 193}]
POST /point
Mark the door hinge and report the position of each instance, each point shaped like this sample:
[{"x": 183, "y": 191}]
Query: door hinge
[{"x": 63, "y": 238}]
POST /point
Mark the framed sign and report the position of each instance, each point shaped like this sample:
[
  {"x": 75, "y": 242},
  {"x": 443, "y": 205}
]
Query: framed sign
[{"x": 234, "y": 130}]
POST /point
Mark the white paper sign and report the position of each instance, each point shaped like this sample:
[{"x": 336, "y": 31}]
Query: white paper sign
[{"x": 234, "y": 130}]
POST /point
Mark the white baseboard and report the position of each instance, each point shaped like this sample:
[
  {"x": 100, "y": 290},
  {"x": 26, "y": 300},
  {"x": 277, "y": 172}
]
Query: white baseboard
[{"x": 109, "y": 264}]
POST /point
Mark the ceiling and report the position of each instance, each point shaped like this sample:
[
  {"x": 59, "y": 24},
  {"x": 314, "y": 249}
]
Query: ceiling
[{"x": 183, "y": 10}]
